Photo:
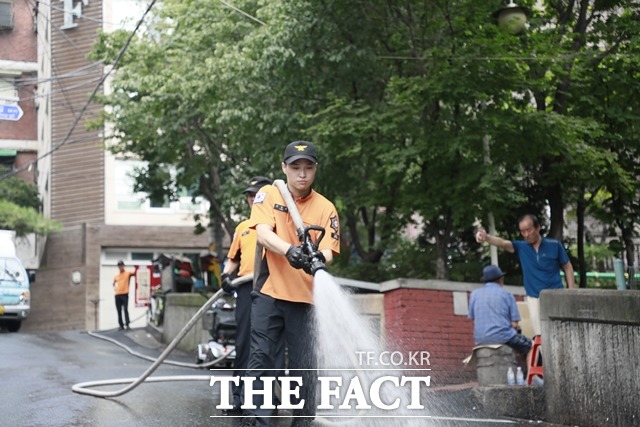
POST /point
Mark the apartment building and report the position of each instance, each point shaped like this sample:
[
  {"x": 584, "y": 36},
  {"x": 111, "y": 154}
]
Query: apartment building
[
  {"x": 18, "y": 101},
  {"x": 84, "y": 187}
]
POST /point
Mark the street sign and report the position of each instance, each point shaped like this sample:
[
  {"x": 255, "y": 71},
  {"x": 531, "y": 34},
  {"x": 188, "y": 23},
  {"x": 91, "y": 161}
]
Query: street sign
[{"x": 11, "y": 112}]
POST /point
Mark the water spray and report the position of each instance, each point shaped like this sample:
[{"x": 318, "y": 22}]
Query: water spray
[{"x": 310, "y": 248}]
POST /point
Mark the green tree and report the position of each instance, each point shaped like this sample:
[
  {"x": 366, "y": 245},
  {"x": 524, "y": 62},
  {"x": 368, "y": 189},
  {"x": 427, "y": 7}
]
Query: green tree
[
  {"x": 603, "y": 81},
  {"x": 20, "y": 206},
  {"x": 400, "y": 99},
  {"x": 176, "y": 101}
]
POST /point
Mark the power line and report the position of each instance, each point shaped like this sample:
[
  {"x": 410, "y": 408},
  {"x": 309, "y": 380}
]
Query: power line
[
  {"x": 59, "y": 9},
  {"x": 65, "y": 140},
  {"x": 248, "y": 15},
  {"x": 35, "y": 95},
  {"x": 78, "y": 72}
]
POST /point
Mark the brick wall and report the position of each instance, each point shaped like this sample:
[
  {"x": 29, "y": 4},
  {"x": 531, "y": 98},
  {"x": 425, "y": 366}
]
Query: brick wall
[
  {"x": 77, "y": 170},
  {"x": 23, "y": 158},
  {"x": 422, "y": 319},
  {"x": 24, "y": 129},
  {"x": 419, "y": 316},
  {"x": 20, "y": 43}
]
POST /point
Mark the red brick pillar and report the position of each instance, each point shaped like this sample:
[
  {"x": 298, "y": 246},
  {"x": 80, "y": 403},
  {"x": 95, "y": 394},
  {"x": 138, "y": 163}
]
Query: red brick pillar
[{"x": 423, "y": 319}]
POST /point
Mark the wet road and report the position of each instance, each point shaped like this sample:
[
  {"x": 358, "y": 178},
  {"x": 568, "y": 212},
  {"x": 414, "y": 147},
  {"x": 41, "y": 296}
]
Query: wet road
[{"x": 37, "y": 371}]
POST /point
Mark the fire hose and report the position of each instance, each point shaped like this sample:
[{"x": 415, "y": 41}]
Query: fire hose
[
  {"x": 83, "y": 388},
  {"x": 316, "y": 264},
  {"x": 309, "y": 247}
]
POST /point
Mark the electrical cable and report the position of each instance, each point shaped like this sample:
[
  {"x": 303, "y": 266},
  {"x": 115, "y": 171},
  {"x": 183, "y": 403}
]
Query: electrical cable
[
  {"x": 78, "y": 72},
  {"x": 89, "y": 100}
]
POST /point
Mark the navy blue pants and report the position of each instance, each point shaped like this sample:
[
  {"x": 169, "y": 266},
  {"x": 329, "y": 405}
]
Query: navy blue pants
[
  {"x": 122, "y": 305},
  {"x": 271, "y": 319},
  {"x": 520, "y": 343}
]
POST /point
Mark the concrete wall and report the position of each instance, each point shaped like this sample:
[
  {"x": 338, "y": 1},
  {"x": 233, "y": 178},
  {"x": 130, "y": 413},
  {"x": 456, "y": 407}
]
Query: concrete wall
[
  {"x": 180, "y": 308},
  {"x": 591, "y": 353},
  {"x": 414, "y": 316},
  {"x": 63, "y": 306}
]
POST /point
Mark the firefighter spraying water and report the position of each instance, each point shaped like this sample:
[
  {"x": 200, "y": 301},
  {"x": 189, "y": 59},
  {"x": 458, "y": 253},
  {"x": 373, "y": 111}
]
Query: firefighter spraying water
[
  {"x": 283, "y": 291},
  {"x": 290, "y": 276}
]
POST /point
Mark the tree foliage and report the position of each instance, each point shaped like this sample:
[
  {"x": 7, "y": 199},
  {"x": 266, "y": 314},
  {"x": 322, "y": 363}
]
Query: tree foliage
[
  {"x": 426, "y": 114},
  {"x": 20, "y": 207}
]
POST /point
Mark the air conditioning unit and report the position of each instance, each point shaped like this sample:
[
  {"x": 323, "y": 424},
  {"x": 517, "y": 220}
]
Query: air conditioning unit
[{"x": 6, "y": 15}]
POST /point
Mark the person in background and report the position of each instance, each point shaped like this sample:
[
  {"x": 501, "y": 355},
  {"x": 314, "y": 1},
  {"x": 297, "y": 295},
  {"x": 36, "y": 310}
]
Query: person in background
[
  {"x": 541, "y": 259},
  {"x": 283, "y": 293},
  {"x": 495, "y": 313},
  {"x": 240, "y": 261},
  {"x": 121, "y": 289}
]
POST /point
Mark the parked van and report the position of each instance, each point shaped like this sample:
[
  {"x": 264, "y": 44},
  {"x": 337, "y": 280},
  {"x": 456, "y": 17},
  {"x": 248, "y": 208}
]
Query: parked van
[{"x": 15, "y": 297}]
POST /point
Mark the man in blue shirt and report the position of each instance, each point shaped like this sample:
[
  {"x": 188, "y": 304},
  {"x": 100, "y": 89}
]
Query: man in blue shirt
[
  {"x": 495, "y": 313},
  {"x": 541, "y": 259}
]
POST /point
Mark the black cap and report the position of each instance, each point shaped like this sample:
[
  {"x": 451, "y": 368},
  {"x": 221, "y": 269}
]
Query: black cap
[
  {"x": 491, "y": 273},
  {"x": 256, "y": 183},
  {"x": 300, "y": 150}
]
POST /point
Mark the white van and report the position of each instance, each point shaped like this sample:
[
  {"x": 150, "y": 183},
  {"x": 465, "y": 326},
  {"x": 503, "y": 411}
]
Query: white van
[{"x": 15, "y": 297}]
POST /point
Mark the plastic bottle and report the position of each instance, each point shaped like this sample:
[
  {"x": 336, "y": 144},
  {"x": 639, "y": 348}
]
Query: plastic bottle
[
  {"x": 537, "y": 381},
  {"x": 510, "y": 376},
  {"x": 519, "y": 376}
]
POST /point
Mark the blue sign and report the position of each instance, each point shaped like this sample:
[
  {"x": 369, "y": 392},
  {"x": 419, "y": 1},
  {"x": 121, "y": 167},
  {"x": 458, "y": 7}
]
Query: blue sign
[{"x": 11, "y": 112}]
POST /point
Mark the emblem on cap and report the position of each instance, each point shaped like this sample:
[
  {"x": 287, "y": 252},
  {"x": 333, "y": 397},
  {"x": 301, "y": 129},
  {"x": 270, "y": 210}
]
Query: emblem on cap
[{"x": 301, "y": 147}]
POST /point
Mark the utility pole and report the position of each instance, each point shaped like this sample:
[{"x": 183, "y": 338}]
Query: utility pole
[{"x": 486, "y": 145}]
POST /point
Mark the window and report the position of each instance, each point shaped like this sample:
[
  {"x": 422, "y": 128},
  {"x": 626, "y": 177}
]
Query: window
[
  {"x": 7, "y": 159},
  {"x": 142, "y": 256},
  {"x": 6, "y": 14},
  {"x": 8, "y": 92},
  {"x": 128, "y": 200}
]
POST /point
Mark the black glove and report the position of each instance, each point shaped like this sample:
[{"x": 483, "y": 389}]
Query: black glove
[
  {"x": 314, "y": 262},
  {"x": 296, "y": 257},
  {"x": 226, "y": 283},
  {"x": 318, "y": 255}
]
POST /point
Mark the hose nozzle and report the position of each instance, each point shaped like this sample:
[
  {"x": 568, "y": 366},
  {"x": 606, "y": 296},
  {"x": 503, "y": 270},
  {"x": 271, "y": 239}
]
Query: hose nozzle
[
  {"x": 316, "y": 260},
  {"x": 309, "y": 247},
  {"x": 317, "y": 264}
]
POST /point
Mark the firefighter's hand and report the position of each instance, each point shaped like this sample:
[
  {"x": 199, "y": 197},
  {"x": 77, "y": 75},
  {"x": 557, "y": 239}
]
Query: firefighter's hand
[
  {"x": 317, "y": 256},
  {"x": 226, "y": 283},
  {"x": 295, "y": 256},
  {"x": 314, "y": 261}
]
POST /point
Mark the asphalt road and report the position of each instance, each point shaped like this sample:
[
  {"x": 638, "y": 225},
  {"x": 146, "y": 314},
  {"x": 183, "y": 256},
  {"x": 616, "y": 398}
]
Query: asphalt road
[{"x": 38, "y": 370}]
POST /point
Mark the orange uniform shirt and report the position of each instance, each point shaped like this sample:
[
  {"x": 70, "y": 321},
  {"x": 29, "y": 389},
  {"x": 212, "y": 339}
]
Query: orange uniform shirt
[
  {"x": 243, "y": 248},
  {"x": 277, "y": 278},
  {"x": 122, "y": 282}
]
